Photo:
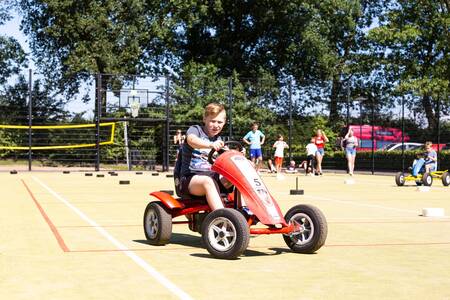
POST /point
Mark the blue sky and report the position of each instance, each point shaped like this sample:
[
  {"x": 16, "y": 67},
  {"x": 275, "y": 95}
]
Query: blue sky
[{"x": 12, "y": 29}]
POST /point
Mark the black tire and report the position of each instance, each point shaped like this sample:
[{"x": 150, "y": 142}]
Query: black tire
[
  {"x": 215, "y": 228},
  {"x": 400, "y": 178},
  {"x": 427, "y": 179},
  {"x": 157, "y": 224},
  {"x": 315, "y": 228},
  {"x": 446, "y": 179}
]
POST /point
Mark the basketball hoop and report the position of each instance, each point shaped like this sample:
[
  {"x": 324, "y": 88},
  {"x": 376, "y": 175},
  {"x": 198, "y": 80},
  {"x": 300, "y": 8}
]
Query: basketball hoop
[{"x": 134, "y": 106}]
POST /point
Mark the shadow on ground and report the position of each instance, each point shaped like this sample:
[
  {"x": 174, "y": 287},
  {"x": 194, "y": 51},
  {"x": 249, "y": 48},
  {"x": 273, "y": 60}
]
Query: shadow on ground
[{"x": 195, "y": 241}]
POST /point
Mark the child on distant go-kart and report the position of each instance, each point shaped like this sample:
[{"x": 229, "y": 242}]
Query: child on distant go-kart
[
  {"x": 196, "y": 177},
  {"x": 428, "y": 161}
]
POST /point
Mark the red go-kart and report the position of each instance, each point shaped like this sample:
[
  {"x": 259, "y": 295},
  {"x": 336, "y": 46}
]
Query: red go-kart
[{"x": 226, "y": 232}]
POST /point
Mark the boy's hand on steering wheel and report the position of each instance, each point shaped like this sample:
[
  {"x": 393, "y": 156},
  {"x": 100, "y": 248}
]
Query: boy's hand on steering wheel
[{"x": 217, "y": 145}]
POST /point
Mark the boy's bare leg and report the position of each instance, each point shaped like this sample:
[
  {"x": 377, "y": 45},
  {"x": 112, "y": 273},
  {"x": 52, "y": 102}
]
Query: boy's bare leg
[{"x": 205, "y": 186}]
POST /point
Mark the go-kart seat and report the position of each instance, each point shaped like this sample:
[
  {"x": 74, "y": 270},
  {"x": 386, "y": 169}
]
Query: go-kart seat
[{"x": 176, "y": 178}]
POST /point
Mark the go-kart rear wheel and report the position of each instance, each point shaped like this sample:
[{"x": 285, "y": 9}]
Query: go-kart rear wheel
[
  {"x": 446, "y": 179},
  {"x": 157, "y": 224},
  {"x": 427, "y": 179},
  {"x": 400, "y": 178},
  {"x": 313, "y": 231},
  {"x": 225, "y": 233}
]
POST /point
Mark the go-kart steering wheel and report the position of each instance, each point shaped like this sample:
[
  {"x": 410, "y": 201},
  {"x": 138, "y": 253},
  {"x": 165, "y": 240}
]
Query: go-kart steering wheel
[{"x": 233, "y": 144}]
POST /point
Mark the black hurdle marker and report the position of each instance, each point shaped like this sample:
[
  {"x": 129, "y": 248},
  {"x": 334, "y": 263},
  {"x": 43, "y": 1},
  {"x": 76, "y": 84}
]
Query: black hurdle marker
[{"x": 297, "y": 191}]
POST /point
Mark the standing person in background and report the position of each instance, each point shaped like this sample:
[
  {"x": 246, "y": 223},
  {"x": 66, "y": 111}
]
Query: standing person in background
[
  {"x": 178, "y": 141},
  {"x": 255, "y": 138},
  {"x": 311, "y": 150},
  {"x": 279, "y": 146},
  {"x": 320, "y": 139},
  {"x": 349, "y": 143},
  {"x": 179, "y": 138}
]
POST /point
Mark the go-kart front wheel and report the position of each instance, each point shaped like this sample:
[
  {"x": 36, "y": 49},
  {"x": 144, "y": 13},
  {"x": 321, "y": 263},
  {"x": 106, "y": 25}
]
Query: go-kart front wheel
[
  {"x": 427, "y": 179},
  {"x": 313, "y": 231},
  {"x": 446, "y": 179},
  {"x": 157, "y": 224},
  {"x": 225, "y": 233},
  {"x": 400, "y": 178}
]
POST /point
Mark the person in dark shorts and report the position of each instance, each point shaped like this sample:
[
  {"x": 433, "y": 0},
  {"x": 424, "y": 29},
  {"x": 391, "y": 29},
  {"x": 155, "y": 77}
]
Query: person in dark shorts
[
  {"x": 196, "y": 177},
  {"x": 255, "y": 138}
]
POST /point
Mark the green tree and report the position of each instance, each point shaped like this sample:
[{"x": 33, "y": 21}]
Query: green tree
[
  {"x": 201, "y": 84},
  {"x": 413, "y": 42},
  {"x": 46, "y": 107},
  {"x": 73, "y": 39},
  {"x": 12, "y": 56}
]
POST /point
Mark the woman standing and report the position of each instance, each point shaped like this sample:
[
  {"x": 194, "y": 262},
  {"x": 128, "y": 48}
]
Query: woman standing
[
  {"x": 350, "y": 142},
  {"x": 178, "y": 141},
  {"x": 320, "y": 139}
]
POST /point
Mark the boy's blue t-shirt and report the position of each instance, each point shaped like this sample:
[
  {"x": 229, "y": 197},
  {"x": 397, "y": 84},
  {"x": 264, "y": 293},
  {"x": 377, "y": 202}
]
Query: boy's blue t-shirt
[
  {"x": 432, "y": 154},
  {"x": 254, "y": 138},
  {"x": 195, "y": 161}
]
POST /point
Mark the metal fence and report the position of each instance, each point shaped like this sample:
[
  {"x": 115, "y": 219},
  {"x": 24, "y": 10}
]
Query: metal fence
[{"x": 128, "y": 122}]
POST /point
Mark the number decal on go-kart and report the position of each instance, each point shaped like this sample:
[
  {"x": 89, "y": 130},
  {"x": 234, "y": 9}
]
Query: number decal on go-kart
[
  {"x": 257, "y": 185},
  {"x": 257, "y": 181}
]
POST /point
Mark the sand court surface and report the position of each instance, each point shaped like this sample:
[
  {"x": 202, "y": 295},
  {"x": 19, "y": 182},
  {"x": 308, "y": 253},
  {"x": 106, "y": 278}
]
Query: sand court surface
[{"x": 68, "y": 236}]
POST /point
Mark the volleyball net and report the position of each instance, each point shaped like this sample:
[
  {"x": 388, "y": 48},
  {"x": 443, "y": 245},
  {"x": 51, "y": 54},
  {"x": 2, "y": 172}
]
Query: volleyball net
[{"x": 54, "y": 137}]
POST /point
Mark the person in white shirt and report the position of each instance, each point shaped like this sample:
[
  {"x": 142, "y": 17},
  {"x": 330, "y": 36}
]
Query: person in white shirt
[
  {"x": 279, "y": 146},
  {"x": 311, "y": 150}
]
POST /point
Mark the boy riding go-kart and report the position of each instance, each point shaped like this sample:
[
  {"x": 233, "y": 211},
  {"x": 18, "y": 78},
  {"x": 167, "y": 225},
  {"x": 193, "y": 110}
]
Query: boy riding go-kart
[
  {"x": 226, "y": 231},
  {"x": 424, "y": 169}
]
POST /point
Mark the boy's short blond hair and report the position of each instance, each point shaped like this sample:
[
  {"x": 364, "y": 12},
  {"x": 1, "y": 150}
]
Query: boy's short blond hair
[{"x": 213, "y": 109}]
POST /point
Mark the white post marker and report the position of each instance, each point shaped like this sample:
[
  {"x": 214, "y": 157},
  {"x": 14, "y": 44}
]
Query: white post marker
[
  {"x": 433, "y": 212},
  {"x": 423, "y": 189},
  {"x": 349, "y": 181}
]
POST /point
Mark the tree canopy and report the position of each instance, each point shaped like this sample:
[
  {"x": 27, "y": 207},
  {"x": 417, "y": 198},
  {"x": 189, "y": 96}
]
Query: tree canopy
[
  {"x": 332, "y": 49},
  {"x": 12, "y": 56}
]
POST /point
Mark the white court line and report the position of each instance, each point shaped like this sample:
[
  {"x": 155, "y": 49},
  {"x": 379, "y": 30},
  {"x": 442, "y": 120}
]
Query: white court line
[
  {"x": 137, "y": 259},
  {"x": 363, "y": 204}
]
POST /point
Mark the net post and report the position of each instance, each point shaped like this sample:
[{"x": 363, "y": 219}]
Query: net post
[
  {"x": 167, "y": 137},
  {"x": 127, "y": 149},
  {"x": 230, "y": 107},
  {"x": 438, "y": 121},
  {"x": 97, "y": 122},
  {"x": 290, "y": 118},
  {"x": 30, "y": 116},
  {"x": 403, "y": 133}
]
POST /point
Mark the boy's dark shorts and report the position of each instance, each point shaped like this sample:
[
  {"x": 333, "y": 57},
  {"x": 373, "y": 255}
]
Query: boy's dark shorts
[{"x": 185, "y": 180}]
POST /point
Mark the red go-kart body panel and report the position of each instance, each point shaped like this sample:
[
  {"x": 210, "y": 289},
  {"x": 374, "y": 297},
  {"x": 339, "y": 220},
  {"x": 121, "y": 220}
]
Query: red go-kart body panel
[{"x": 240, "y": 172}]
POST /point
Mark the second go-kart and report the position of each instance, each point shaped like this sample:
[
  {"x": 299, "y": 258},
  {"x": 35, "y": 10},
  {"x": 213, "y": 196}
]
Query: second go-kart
[
  {"x": 226, "y": 232},
  {"x": 424, "y": 178}
]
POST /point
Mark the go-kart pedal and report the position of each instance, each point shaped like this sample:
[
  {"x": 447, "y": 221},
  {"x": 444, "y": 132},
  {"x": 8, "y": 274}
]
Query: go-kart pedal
[{"x": 195, "y": 221}]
